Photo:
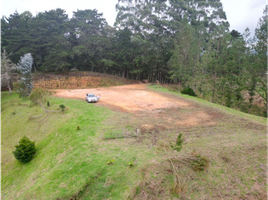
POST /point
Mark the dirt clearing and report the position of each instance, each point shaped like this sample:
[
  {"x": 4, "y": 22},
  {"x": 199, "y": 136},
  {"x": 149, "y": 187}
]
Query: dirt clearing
[{"x": 140, "y": 100}]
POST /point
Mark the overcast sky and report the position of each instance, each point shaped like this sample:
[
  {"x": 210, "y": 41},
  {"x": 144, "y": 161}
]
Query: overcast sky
[{"x": 240, "y": 13}]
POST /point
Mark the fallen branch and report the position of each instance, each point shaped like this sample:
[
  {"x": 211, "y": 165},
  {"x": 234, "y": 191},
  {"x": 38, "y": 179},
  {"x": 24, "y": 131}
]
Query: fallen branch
[{"x": 119, "y": 137}]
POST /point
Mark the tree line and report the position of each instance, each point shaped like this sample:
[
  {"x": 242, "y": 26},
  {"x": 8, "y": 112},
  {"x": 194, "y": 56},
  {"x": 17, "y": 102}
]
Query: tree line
[{"x": 183, "y": 42}]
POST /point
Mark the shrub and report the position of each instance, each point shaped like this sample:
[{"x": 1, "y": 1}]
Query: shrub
[
  {"x": 39, "y": 96},
  {"x": 25, "y": 151},
  {"x": 188, "y": 91},
  {"x": 48, "y": 104},
  {"x": 62, "y": 107}
]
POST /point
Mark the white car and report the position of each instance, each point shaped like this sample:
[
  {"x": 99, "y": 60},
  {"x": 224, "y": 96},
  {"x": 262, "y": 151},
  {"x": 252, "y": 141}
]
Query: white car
[{"x": 92, "y": 98}]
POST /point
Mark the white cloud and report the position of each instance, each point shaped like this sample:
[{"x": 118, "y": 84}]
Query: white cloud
[{"x": 243, "y": 13}]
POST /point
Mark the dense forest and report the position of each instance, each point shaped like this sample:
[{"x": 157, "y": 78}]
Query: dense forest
[{"x": 184, "y": 42}]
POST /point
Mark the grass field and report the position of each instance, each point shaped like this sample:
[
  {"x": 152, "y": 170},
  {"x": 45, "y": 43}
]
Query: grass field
[{"x": 92, "y": 163}]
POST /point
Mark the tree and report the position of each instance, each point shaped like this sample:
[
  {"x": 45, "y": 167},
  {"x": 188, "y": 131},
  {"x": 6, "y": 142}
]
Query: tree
[
  {"x": 185, "y": 57},
  {"x": 50, "y": 31},
  {"x": 7, "y": 67},
  {"x": 25, "y": 86},
  {"x": 159, "y": 22},
  {"x": 235, "y": 34},
  {"x": 261, "y": 56},
  {"x": 16, "y": 34},
  {"x": 88, "y": 35},
  {"x": 25, "y": 151}
]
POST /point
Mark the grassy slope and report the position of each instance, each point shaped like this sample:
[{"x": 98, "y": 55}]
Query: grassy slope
[
  {"x": 221, "y": 108},
  {"x": 73, "y": 163},
  {"x": 237, "y": 150},
  {"x": 68, "y": 162}
]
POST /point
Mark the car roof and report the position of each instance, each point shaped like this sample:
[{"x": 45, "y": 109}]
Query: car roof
[{"x": 90, "y": 94}]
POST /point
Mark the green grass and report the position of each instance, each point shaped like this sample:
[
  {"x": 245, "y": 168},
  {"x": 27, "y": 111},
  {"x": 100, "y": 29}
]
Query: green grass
[
  {"x": 68, "y": 161},
  {"x": 221, "y": 108},
  {"x": 72, "y": 163}
]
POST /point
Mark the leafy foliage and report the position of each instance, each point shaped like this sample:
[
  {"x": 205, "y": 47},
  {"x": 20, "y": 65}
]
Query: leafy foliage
[
  {"x": 40, "y": 96},
  {"x": 25, "y": 151},
  {"x": 189, "y": 91},
  {"x": 183, "y": 42},
  {"x": 62, "y": 107}
]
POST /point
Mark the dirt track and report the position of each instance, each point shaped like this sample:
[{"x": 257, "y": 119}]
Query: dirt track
[{"x": 139, "y": 100}]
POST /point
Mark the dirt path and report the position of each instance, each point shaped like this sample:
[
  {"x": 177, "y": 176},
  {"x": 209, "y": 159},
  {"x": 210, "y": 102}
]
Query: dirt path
[{"x": 139, "y": 100}]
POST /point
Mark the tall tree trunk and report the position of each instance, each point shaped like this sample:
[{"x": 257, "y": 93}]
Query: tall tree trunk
[
  {"x": 9, "y": 88},
  {"x": 266, "y": 99}
]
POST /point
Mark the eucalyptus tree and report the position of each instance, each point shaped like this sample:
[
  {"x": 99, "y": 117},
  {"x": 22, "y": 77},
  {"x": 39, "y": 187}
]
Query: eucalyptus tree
[
  {"x": 261, "y": 56},
  {"x": 139, "y": 18},
  {"x": 159, "y": 22}
]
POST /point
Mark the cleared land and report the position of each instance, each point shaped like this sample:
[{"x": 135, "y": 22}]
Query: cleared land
[
  {"x": 73, "y": 164},
  {"x": 139, "y": 100}
]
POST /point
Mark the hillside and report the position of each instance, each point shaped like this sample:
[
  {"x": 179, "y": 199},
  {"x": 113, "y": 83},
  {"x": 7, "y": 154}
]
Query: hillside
[
  {"x": 108, "y": 158},
  {"x": 77, "y": 79}
]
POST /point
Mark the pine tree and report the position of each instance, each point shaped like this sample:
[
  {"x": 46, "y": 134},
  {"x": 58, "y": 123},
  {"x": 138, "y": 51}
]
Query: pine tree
[{"x": 25, "y": 151}]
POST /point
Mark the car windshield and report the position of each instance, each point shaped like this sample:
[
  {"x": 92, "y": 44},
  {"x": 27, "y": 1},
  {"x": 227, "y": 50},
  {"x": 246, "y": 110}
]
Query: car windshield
[{"x": 91, "y": 95}]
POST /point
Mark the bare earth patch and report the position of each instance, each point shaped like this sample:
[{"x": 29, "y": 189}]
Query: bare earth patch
[{"x": 137, "y": 99}]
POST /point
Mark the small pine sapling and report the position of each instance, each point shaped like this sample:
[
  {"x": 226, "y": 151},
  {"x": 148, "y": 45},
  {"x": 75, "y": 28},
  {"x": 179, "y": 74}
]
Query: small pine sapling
[
  {"x": 25, "y": 151},
  {"x": 178, "y": 145},
  {"x": 62, "y": 107}
]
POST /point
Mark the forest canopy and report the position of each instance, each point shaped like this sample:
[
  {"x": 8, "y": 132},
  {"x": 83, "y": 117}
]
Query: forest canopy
[{"x": 183, "y": 42}]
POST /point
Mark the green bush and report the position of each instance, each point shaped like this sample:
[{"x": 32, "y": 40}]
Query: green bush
[
  {"x": 40, "y": 96},
  {"x": 188, "y": 91},
  {"x": 62, "y": 107},
  {"x": 25, "y": 151}
]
